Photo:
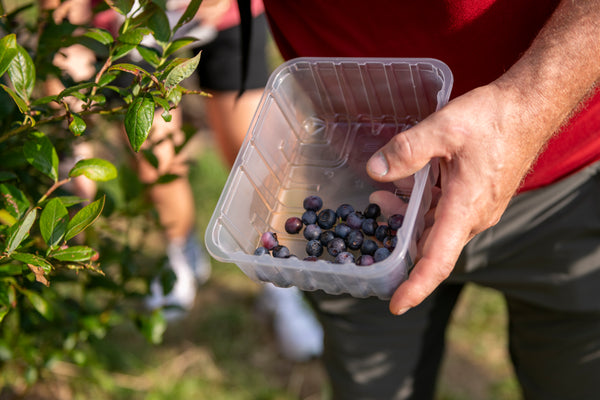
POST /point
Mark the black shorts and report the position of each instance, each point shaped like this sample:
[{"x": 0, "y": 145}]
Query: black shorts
[{"x": 220, "y": 63}]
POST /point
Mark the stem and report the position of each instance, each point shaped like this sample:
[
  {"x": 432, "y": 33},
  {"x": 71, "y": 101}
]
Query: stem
[{"x": 55, "y": 186}]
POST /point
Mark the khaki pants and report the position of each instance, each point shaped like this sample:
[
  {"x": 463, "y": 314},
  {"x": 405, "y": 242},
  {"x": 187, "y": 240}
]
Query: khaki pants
[{"x": 544, "y": 256}]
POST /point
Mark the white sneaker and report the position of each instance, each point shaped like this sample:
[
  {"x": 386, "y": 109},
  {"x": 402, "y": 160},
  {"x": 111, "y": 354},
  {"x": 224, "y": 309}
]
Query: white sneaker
[
  {"x": 191, "y": 267},
  {"x": 299, "y": 333}
]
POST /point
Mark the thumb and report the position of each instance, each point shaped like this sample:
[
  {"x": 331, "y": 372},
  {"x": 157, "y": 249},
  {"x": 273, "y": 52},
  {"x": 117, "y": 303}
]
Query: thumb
[{"x": 406, "y": 153}]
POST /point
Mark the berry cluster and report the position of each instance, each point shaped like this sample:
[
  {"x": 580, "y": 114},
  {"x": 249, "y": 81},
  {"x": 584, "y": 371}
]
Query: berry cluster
[{"x": 347, "y": 235}]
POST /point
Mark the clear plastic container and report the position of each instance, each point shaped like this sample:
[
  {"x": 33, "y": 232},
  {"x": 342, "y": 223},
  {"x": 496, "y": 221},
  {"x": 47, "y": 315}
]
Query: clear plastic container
[{"x": 319, "y": 121}]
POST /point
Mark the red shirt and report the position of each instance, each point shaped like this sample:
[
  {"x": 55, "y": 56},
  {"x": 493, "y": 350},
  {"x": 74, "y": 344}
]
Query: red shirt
[{"x": 478, "y": 39}]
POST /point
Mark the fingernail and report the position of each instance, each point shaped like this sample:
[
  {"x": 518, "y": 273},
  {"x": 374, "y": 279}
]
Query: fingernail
[
  {"x": 402, "y": 311},
  {"x": 378, "y": 164}
]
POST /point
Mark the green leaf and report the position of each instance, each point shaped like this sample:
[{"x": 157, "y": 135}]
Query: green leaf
[
  {"x": 100, "y": 35},
  {"x": 74, "y": 254},
  {"x": 121, "y": 6},
  {"x": 40, "y": 153},
  {"x": 138, "y": 120},
  {"x": 7, "y": 176},
  {"x": 14, "y": 200},
  {"x": 151, "y": 158},
  {"x": 84, "y": 218},
  {"x": 32, "y": 259},
  {"x": 182, "y": 71},
  {"x": 159, "y": 24},
  {"x": 188, "y": 15},
  {"x": 39, "y": 303},
  {"x": 107, "y": 78},
  {"x": 8, "y": 50},
  {"x": 134, "y": 36},
  {"x": 77, "y": 125},
  {"x": 74, "y": 90},
  {"x": 153, "y": 327},
  {"x": 20, "y": 231},
  {"x": 21, "y": 72},
  {"x": 122, "y": 50},
  {"x": 95, "y": 169},
  {"x": 18, "y": 100},
  {"x": 53, "y": 222},
  {"x": 129, "y": 68},
  {"x": 149, "y": 54},
  {"x": 177, "y": 44}
]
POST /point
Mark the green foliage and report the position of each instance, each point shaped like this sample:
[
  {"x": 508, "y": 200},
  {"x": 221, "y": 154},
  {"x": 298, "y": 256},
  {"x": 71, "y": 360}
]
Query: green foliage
[{"x": 67, "y": 269}]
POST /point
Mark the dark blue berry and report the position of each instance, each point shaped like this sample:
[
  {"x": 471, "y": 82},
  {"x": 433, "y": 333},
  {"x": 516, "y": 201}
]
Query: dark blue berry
[
  {"x": 336, "y": 246},
  {"x": 269, "y": 240},
  {"x": 343, "y": 211},
  {"x": 395, "y": 221},
  {"x": 368, "y": 247},
  {"x": 355, "y": 220},
  {"x": 355, "y": 239},
  {"x": 312, "y": 203},
  {"x": 390, "y": 242},
  {"x": 344, "y": 258},
  {"x": 312, "y": 231},
  {"x": 381, "y": 254},
  {"x": 342, "y": 230},
  {"x": 372, "y": 211},
  {"x": 260, "y": 251},
  {"x": 311, "y": 258},
  {"x": 326, "y": 218},
  {"x": 369, "y": 226},
  {"x": 326, "y": 237},
  {"x": 365, "y": 260},
  {"x": 309, "y": 217},
  {"x": 381, "y": 232},
  {"x": 280, "y": 251},
  {"x": 314, "y": 248},
  {"x": 293, "y": 225}
]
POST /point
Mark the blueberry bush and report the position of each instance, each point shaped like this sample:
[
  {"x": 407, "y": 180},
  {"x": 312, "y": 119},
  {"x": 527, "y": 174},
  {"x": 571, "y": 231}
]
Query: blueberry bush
[{"x": 69, "y": 270}]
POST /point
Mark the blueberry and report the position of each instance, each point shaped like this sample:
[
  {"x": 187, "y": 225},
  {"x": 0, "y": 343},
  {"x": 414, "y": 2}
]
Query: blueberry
[
  {"x": 269, "y": 240},
  {"x": 312, "y": 231},
  {"x": 342, "y": 230},
  {"x": 355, "y": 219},
  {"x": 368, "y": 247},
  {"x": 260, "y": 251},
  {"x": 336, "y": 246},
  {"x": 355, "y": 239},
  {"x": 309, "y": 217},
  {"x": 381, "y": 232},
  {"x": 312, "y": 203},
  {"x": 381, "y": 254},
  {"x": 314, "y": 248},
  {"x": 344, "y": 258},
  {"x": 372, "y": 211},
  {"x": 325, "y": 237},
  {"x": 311, "y": 258},
  {"x": 326, "y": 218},
  {"x": 369, "y": 226},
  {"x": 395, "y": 221},
  {"x": 280, "y": 251},
  {"x": 344, "y": 210},
  {"x": 293, "y": 225},
  {"x": 365, "y": 260},
  {"x": 390, "y": 242}
]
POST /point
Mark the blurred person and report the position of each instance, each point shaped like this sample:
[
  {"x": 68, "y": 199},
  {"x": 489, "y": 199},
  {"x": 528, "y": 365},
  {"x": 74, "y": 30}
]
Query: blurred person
[
  {"x": 217, "y": 31},
  {"x": 518, "y": 197}
]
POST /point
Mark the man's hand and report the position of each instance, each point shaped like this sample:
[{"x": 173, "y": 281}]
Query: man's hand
[{"x": 487, "y": 139}]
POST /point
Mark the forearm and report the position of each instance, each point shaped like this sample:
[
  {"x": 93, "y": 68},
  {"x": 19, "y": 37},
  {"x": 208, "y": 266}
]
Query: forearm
[{"x": 558, "y": 71}]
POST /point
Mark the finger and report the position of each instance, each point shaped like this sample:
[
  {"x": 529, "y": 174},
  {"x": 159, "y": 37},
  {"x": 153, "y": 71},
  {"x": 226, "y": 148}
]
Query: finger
[
  {"x": 406, "y": 153},
  {"x": 389, "y": 203},
  {"x": 441, "y": 249}
]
